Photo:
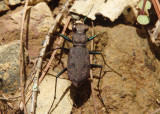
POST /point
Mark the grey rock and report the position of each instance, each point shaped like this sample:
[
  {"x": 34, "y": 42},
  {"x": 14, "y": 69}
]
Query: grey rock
[{"x": 9, "y": 67}]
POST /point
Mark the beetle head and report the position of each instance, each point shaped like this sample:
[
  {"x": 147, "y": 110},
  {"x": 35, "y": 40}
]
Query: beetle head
[{"x": 79, "y": 27}]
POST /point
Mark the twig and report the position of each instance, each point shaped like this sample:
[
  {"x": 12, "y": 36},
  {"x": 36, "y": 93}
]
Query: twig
[
  {"x": 47, "y": 38},
  {"x": 91, "y": 74},
  {"x": 40, "y": 59},
  {"x": 9, "y": 104},
  {"x": 1, "y": 98},
  {"x": 144, "y": 3},
  {"x": 8, "y": 98},
  {"x": 156, "y": 31},
  {"x": 52, "y": 57},
  {"x": 43, "y": 74},
  {"x": 54, "y": 52},
  {"x": 31, "y": 77},
  {"x": 22, "y": 56},
  {"x": 156, "y": 7}
]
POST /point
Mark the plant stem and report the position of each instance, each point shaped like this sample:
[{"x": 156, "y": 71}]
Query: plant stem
[
  {"x": 144, "y": 3},
  {"x": 22, "y": 57}
]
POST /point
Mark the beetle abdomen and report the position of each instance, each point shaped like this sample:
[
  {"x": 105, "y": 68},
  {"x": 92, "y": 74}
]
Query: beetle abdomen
[{"x": 78, "y": 65}]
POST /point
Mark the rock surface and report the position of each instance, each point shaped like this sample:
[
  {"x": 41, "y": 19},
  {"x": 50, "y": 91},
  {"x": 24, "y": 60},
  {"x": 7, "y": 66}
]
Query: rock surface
[
  {"x": 63, "y": 103},
  {"x": 6, "y": 4},
  {"x": 9, "y": 67},
  {"x": 111, "y": 9},
  {"x": 130, "y": 87},
  {"x": 39, "y": 22},
  {"x": 14, "y": 2},
  {"x": 3, "y": 7}
]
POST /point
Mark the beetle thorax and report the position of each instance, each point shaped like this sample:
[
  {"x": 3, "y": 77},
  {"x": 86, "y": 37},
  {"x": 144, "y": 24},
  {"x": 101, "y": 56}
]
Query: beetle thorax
[{"x": 79, "y": 36}]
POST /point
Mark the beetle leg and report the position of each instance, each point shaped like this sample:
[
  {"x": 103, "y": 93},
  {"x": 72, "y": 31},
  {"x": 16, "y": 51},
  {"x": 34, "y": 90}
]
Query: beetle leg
[
  {"x": 93, "y": 52},
  {"x": 100, "y": 66},
  {"x": 95, "y": 65},
  {"x": 66, "y": 49},
  {"x": 65, "y": 37},
  {"x": 91, "y": 38},
  {"x": 65, "y": 69}
]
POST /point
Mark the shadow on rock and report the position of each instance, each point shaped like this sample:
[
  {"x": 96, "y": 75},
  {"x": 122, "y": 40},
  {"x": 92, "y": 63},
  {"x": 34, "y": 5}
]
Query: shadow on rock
[
  {"x": 154, "y": 48},
  {"x": 81, "y": 94}
]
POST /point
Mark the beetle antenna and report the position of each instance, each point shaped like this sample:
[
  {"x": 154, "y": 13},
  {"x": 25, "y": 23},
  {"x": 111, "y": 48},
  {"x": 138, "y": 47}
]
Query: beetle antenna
[{"x": 88, "y": 13}]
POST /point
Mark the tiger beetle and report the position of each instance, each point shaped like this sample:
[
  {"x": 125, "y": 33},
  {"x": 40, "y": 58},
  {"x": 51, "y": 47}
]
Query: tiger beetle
[{"x": 78, "y": 66}]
